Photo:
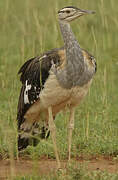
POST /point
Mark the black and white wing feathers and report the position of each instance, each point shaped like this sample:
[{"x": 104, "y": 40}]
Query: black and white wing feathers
[{"x": 34, "y": 74}]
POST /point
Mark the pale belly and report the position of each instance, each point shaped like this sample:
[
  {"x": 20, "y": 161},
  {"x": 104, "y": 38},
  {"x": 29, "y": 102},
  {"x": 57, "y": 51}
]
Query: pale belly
[{"x": 57, "y": 97}]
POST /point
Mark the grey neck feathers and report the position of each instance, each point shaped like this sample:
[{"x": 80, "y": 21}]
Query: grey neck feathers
[
  {"x": 73, "y": 50},
  {"x": 71, "y": 74}
]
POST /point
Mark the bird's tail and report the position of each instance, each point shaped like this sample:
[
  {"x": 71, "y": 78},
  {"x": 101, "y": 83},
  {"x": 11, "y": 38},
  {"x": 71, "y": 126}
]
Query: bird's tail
[{"x": 32, "y": 136}]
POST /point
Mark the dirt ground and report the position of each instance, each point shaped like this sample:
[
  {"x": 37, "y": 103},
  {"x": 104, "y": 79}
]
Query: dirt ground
[{"x": 45, "y": 166}]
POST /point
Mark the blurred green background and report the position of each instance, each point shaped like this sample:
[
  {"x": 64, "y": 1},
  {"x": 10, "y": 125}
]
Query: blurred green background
[{"x": 28, "y": 28}]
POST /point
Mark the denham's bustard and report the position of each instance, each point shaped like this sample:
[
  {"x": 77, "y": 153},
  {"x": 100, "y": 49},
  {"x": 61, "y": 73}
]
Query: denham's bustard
[{"x": 56, "y": 80}]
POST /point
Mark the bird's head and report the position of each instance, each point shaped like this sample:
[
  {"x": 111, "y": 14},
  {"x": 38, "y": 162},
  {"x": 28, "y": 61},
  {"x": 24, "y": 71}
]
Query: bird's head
[{"x": 70, "y": 13}]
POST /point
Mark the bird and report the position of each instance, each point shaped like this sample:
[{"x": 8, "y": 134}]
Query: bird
[{"x": 55, "y": 81}]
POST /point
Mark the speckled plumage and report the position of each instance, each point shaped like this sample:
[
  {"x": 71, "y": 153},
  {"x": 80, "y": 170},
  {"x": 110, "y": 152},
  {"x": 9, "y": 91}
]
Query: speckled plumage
[{"x": 56, "y": 80}]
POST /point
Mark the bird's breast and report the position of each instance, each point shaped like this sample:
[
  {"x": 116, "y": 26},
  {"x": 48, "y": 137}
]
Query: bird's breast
[{"x": 55, "y": 95}]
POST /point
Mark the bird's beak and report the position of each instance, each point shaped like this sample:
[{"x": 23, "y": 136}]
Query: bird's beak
[{"x": 82, "y": 12}]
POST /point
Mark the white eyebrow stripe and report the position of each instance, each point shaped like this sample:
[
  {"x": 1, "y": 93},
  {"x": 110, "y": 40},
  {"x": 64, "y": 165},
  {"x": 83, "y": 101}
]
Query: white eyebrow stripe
[{"x": 65, "y": 9}]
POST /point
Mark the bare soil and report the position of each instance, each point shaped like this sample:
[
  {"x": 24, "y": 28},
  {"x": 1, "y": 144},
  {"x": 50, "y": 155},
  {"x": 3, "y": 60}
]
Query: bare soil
[{"x": 45, "y": 166}]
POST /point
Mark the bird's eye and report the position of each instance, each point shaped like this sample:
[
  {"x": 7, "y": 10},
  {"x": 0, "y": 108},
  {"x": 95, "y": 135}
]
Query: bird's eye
[{"x": 68, "y": 11}]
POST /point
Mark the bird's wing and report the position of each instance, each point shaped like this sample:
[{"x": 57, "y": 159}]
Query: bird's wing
[{"x": 33, "y": 75}]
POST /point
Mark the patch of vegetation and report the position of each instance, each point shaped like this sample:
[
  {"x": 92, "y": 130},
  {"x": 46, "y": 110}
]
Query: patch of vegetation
[
  {"x": 73, "y": 172},
  {"x": 29, "y": 28}
]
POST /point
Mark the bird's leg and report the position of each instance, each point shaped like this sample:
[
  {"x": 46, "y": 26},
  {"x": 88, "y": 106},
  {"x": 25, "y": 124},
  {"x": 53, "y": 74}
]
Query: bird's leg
[
  {"x": 53, "y": 135},
  {"x": 70, "y": 129}
]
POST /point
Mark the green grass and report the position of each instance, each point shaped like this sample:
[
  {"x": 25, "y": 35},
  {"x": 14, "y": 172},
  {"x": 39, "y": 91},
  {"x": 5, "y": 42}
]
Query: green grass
[
  {"x": 77, "y": 176},
  {"x": 28, "y": 28}
]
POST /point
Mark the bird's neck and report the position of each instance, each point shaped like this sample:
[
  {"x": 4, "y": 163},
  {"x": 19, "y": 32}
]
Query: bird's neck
[
  {"x": 72, "y": 47},
  {"x": 67, "y": 34},
  {"x": 75, "y": 71},
  {"x": 74, "y": 65}
]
